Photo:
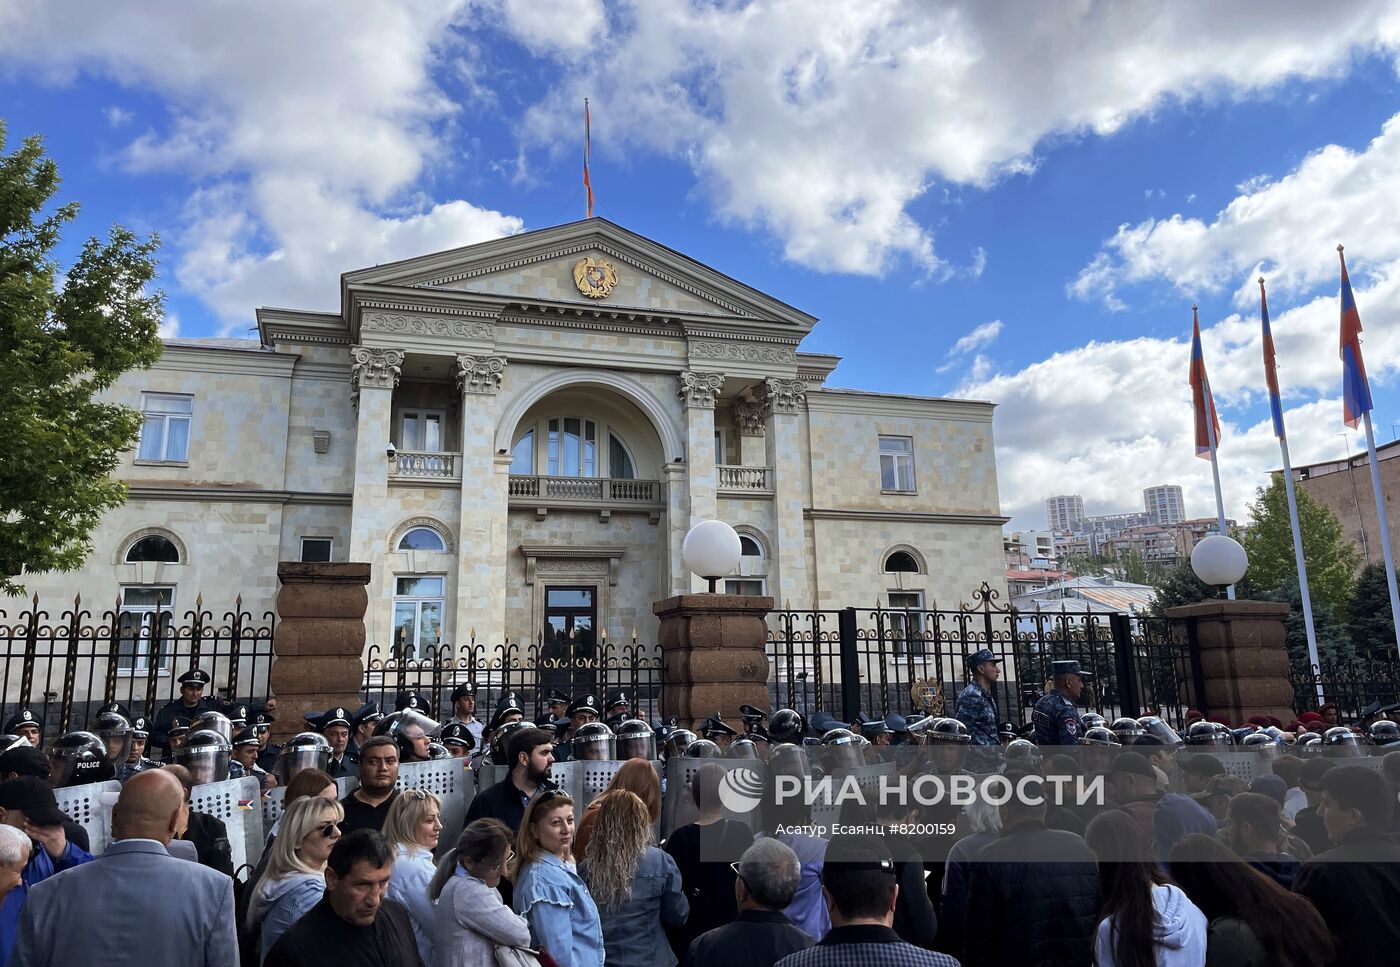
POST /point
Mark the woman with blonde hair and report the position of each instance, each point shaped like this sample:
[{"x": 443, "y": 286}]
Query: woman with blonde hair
[
  {"x": 412, "y": 827},
  {"x": 549, "y": 893},
  {"x": 637, "y": 776},
  {"x": 637, "y": 887},
  {"x": 295, "y": 879},
  {"x": 471, "y": 917}
]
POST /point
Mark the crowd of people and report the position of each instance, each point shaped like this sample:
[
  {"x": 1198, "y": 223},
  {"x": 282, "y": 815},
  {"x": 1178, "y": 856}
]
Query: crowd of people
[{"x": 1178, "y": 863}]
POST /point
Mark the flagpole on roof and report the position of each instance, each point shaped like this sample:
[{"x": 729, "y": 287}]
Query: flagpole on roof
[
  {"x": 1204, "y": 404},
  {"x": 1356, "y": 407},
  {"x": 587, "y": 150},
  {"x": 1276, "y": 410}
]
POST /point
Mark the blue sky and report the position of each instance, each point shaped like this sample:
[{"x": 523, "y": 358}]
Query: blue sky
[{"x": 1015, "y": 202}]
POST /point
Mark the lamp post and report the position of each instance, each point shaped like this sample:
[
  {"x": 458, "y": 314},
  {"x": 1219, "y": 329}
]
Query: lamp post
[
  {"x": 711, "y": 550},
  {"x": 1219, "y": 560}
]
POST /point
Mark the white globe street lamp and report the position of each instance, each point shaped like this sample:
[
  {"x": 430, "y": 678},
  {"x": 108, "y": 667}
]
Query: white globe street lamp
[
  {"x": 711, "y": 550},
  {"x": 1219, "y": 560}
]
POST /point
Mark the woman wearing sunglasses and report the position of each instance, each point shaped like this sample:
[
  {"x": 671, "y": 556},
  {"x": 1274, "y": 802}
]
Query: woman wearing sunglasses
[
  {"x": 295, "y": 878},
  {"x": 412, "y": 828},
  {"x": 470, "y": 917},
  {"x": 548, "y": 890}
]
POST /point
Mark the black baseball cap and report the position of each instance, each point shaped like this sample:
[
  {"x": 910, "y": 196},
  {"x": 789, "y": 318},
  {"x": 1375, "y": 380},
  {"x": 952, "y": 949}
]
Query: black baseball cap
[
  {"x": 34, "y": 796},
  {"x": 1202, "y": 764},
  {"x": 1133, "y": 762},
  {"x": 25, "y": 760}
]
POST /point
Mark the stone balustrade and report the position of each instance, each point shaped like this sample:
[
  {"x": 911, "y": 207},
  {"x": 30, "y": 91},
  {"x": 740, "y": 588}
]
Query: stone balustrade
[
  {"x": 755, "y": 479},
  {"x": 424, "y": 465}
]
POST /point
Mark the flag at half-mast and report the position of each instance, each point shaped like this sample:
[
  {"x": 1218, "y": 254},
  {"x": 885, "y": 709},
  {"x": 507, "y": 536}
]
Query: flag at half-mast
[
  {"x": 1201, "y": 399},
  {"x": 1270, "y": 374},
  {"x": 1356, "y": 392}
]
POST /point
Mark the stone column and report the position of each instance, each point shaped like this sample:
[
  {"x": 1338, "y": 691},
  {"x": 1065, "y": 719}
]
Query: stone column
[
  {"x": 783, "y": 400},
  {"x": 481, "y": 550},
  {"x": 748, "y": 426},
  {"x": 677, "y": 525},
  {"x": 373, "y": 375},
  {"x": 319, "y": 642},
  {"x": 712, "y": 652},
  {"x": 1244, "y": 662},
  {"x": 698, "y": 391}
]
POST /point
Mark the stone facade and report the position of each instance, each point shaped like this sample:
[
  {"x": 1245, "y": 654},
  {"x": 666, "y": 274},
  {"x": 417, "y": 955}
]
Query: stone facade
[{"x": 469, "y": 418}]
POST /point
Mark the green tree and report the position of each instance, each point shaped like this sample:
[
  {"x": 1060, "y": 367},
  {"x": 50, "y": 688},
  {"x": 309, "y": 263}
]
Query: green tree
[
  {"x": 1135, "y": 569},
  {"x": 1331, "y": 561},
  {"x": 61, "y": 345},
  {"x": 1334, "y": 644},
  {"x": 1368, "y": 615}
]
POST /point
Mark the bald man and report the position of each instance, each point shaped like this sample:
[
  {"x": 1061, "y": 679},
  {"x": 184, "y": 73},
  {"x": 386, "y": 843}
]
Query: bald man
[{"x": 85, "y": 916}]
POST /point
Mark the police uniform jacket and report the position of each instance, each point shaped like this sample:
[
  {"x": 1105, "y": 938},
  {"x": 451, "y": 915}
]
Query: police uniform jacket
[
  {"x": 160, "y": 725},
  {"x": 1056, "y": 721},
  {"x": 976, "y": 711},
  {"x": 342, "y": 767}
]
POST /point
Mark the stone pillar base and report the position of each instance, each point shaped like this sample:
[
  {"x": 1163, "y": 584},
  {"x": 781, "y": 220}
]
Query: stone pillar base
[
  {"x": 319, "y": 642},
  {"x": 712, "y": 651},
  {"x": 1244, "y": 661}
]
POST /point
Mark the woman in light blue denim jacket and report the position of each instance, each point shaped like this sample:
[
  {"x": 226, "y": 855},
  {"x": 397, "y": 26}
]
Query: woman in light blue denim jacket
[
  {"x": 637, "y": 887},
  {"x": 548, "y": 890}
]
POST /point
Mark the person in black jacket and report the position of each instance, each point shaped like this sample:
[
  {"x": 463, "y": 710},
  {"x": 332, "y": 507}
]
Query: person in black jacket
[
  {"x": 1356, "y": 884},
  {"x": 705, "y": 851},
  {"x": 761, "y": 934},
  {"x": 208, "y": 833},
  {"x": 531, "y": 753},
  {"x": 1044, "y": 881}
]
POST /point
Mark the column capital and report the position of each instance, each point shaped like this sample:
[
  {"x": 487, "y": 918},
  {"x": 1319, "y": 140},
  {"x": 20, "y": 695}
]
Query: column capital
[
  {"x": 479, "y": 374},
  {"x": 748, "y": 418},
  {"x": 700, "y": 389},
  {"x": 783, "y": 395},
  {"x": 373, "y": 368}
]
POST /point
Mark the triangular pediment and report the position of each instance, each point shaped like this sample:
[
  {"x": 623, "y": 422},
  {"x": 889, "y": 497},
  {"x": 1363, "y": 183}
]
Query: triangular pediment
[{"x": 543, "y": 266}]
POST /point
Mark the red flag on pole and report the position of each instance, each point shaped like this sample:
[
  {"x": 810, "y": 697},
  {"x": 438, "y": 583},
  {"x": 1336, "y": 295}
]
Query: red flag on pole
[
  {"x": 1201, "y": 399},
  {"x": 587, "y": 184}
]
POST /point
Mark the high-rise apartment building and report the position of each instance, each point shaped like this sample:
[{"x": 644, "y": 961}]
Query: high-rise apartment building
[
  {"x": 1164, "y": 504},
  {"x": 1065, "y": 512}
]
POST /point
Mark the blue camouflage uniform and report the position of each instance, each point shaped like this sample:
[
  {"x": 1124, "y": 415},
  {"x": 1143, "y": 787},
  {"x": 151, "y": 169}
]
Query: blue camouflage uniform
[
  {"x": 1056, "y": 720},
  {"x": 976, "y": 711}
]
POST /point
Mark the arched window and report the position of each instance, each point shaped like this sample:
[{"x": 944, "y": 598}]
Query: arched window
[
  {"x": 522, "y": 456},
  {"x": 620, "y": 466},
  {"x": 750, "y": 547},
  {"x": 901, "y": 562},
  {"x": 153, "y": 548},
  {"x": 422, "y": 539},
  {"x": 573, "y": 447}
]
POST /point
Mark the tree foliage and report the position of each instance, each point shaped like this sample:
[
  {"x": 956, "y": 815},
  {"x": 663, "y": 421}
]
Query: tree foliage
[
  {"x": 1368, "y": 617},
  {"x": 1334, "y": 644},
  {"x": 61, "y": 345},
  {"x": 1331, "y": 561}
]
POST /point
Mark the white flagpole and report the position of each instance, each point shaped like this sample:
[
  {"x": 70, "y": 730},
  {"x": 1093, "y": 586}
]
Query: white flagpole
[
  {"x": 1215, "y": 472},
  {"x": 1302, "y": 566},
  {"x": 1384, "y": 528}
]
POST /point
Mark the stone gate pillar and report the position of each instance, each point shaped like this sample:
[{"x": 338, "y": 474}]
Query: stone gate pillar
[
  {"x": 319, "y": 642},
  {"x": 1244, "y": 661},
  {"x": 712, "y": 654}
]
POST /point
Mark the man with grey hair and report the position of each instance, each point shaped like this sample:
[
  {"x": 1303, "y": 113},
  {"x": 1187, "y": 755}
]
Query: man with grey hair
[
  {"x": 761, "y": 935},
  {"x": 15, "y": 847}
]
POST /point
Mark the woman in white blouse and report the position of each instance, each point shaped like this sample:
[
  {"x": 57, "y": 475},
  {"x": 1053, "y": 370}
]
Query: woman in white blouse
[{"x": 412, "y": 828}]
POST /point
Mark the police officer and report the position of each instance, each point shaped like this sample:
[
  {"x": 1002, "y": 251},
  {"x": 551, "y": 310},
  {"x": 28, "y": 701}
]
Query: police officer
[
  {"x": 555, "y": 703},
  {"x": 362, "y": 725},
  {"x": 581, "y": 712},
  {"x": 457, "y": 739},
  {"x": 177, "y": 733},
  {"x": 245, "y": 756},
  {"x": 136, "y": 761},
  {"x": 191, "y": 702},
  {"x": 508, "y": 710},
  {"x": 334, "y": 724},
  {"x": 975, "y": 707},
  {"x": 267, "y": 750},
  {"x": 1055, "y": 716},
  {"x": 25, "y": 724},
  {"x": 617, "y": 704},
  {"x": 238, "y": 714},
  {"x": 464, "y": 710},
  {"x": 415, "y": 701},
  {"x": 717, "y": 731}
]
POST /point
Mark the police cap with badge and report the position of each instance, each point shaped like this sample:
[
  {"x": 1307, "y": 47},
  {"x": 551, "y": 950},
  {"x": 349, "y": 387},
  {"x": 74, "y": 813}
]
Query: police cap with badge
[
  {"x": 978, "y": 657},
  {"x": 366, "y": 713},
  {"x": 24, "y": 718},
  {"x": 584, "y": 703},
  {"x": 554, "y": 696},
  {"x": 463, "y": 690},
  {"x": 194, "y": 678},
  {"x": 457, "y": 733},
  {"x": 324, "y": 720},
  {"x": 508, "y": 705}
]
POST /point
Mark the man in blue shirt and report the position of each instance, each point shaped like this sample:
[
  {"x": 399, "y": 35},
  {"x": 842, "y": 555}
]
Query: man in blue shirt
[
  {"x": 1056, "y": 716},
  {"x": 975, "y": 707}
]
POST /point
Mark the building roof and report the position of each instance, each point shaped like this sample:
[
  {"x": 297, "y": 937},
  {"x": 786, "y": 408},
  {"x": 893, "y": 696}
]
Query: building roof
[
  {"x": 1111, "y": 594},
  {"x": 1385, "y": 451},
  {"x": 244, "y": 345},
  {"x": 1032, "y": 574}
]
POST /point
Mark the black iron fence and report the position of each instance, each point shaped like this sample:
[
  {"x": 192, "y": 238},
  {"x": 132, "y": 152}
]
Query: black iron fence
[
  {"x": 529, "y": 670},
  {"x": 1352, "y": 685},
  {"x": 913, "y": 661},
  {"x": 66, "y": 665}
]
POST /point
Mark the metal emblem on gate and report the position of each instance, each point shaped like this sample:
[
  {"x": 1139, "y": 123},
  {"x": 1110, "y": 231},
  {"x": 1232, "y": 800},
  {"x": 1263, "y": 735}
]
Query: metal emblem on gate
[{"x": 927, "y": 693}]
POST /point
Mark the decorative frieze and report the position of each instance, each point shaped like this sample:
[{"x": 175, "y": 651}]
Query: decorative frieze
[
  {"x": 479, "y": 374},
  {"x": 744, "y": 352},
  {"x": 784, "y": 395},
  {"x": 700, "y": 389},
  {"x": 416, "y": 325},
  {"x": 748, "y": 418}
]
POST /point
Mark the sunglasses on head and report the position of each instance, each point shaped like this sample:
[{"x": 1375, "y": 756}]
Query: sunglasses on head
[{"x": 417, "y": 794}]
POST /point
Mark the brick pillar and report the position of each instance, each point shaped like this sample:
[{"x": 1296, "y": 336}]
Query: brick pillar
[
  {"x": 1244, "y": 662},
  {"x": 320, "y": 640},
  {"x": 712, "y": 655}
]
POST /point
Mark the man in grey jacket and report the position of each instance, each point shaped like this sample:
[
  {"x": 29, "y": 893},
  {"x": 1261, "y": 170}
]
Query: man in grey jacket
[{"x": 83, "y": 915}]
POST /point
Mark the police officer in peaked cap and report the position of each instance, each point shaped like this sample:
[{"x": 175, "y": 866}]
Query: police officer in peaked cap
[
  {"x": 617, "y": 702},
  {"x": 136, "y": 761},
  {"x": 262, "y": 728},
  {"x": 413, "y": 700},
  {"x": 237, "y": 713},
  {"x": 464, "y": 710},
  {"x": 334, "y": 724},
  {"x": 362, "y": 725},
  {"x": 189, "y": 705},
  {"x": 717, "y": 731},
  {"x": 25, "y": 724},
  {"x": 245, "y": 756},
  {"x": 1056, "y": 715},
  {"x": 457, "y": 739}
]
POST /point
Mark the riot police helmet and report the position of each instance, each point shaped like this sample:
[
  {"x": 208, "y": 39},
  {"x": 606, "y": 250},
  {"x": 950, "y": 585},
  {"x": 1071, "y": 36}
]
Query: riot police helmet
[
  {"x": 786, "y": 725},
  {"x": 678, "y": 741},
  {"x": 1093, "y": 720},
  {"x": 436, "y": 750},
  {"x": 206, "y": 754},
  {"x": 743, "y": 749},
  {"x": 635, "y": 740},
  {"x": 704, "y": 749},
  {"x": 114, "y": 729},
  {"x": 1263, "y": 745},
  {"x": 212, "y": 721},
  {"x": 1384, "y": 732},
  {"x": 1156, "y": 727},
  {"x": 1022, "y": 754},
  {"x": 1127, "y": 729},
  {"x": 1208, "y": 734},
  {"x": 1099, "y": 735},
  {"x": 78, "y": 758},
  {"x": 500, "y": 743},
  {"x": 8, "y": 742},
  {"x": 594, "y": 741},
  {"x": 410, "y": 730},
  {"x": 1343, "y": 742},
  {"x": 945, "y": 731}
]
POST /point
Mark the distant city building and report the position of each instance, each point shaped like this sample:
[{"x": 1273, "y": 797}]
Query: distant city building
[
  {"x": 1027, "y": 580},
  {"x": 1344, "y": 487},
  {"x": 1034, "y": 549},
  {"x": 1082, "y": 595},
  {"x": 1189, "y": 533},
  {"x": 1153, "y": 544},
  {"x": 1164, "y": 504},
  {"x": 1064, "y": 512}
]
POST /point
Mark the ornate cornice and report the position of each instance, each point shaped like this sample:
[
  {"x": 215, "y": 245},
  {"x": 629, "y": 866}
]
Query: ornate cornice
[
  {"x": 436, "y": 310},
  {"x": 743, "y": 352},
  {"x": 748, "y": 418},
  {"x": 375, "y": 368},
  {"x": 783, "y": 395},
  {"x": 479, "y": 374},
  {"x": 700, "y": 389},
  {"x": 426, "y": 325}
]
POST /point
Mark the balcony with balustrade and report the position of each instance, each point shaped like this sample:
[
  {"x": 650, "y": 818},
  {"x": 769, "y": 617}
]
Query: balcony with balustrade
[
  {"x": 426, "y": 468},
  {"x": 744, "y": 481},
  {"x": 602, "y": 494}
]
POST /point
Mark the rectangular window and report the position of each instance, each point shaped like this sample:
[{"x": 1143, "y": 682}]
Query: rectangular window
[
  {"x": 418, "y": 608},
  {"x": 573, "y": 451},
  {"x": 905, "y": 627},
  {"x": 422, "y": 431},
  {"x": 315, "y": 550},
  {"x": 145, "y": 629},
  {"x": 721, "y": 451},
  {"x": 165, "y": 428},
  {"x": 753, "y": 586},
  {"x": 897, "y": 464}
]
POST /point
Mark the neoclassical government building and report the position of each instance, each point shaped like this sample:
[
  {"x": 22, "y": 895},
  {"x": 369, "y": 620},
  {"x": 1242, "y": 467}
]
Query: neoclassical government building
[{"x": 517, "y": 435}]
